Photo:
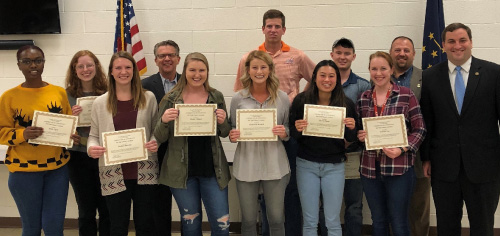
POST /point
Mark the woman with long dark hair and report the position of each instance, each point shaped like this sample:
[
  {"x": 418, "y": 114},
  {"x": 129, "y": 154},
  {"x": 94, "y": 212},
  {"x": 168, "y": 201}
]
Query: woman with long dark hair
[{"x": 320, "y": 160}]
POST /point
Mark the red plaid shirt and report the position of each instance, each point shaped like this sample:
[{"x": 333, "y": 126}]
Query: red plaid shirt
[{"x": 401, "y": 101}]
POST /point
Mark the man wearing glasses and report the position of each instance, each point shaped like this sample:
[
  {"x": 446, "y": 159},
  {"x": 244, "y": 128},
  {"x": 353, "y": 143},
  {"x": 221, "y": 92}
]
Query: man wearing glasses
[{"x": 166, "y": 58}]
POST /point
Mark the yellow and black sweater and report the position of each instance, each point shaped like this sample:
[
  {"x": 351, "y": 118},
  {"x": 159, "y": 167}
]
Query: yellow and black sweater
[{"x": 17, "y": 106}]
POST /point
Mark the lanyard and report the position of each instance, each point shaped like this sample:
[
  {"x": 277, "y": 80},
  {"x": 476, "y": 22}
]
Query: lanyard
[{"x": 374, "y": 95}]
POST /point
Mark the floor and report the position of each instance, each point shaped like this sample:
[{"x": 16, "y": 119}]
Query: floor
[{"x": 68, "y": 232}]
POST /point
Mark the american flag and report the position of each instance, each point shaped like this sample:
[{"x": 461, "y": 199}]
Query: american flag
[{"x": 127, "y": 34}]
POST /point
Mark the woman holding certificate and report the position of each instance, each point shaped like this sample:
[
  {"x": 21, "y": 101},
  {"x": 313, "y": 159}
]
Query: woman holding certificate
[
  {"x": 85, "y": 78},
  {"x": 320, "y": 160},
  {"x": 387, "y": 174},
  {"x": 261, "y": 163},
  {"x": 196, "y": 168},
  {"x": 125, "y": 107},
  {"x": 38, "y": 178}
]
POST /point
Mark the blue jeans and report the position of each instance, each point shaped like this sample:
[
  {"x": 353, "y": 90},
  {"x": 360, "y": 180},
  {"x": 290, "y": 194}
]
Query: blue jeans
[
  {"x": 293, "y": 210},
  {"x": 214, "y": 199},
  {"x": 389, "y": 201},
  {"x": 41, "y": 200},
  {"x": 314, "y": 178}
]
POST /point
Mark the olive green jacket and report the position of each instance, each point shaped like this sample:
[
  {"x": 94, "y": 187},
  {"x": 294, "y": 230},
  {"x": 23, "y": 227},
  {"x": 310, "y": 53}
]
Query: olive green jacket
[{"x": 174, "y": 170}]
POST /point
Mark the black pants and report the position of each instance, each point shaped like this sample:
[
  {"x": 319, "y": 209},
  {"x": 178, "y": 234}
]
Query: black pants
[
  {"x": 163, "y": 205},
  {"x": 481, "y": 200},
  {"x": 84, "y": 178},
  {"x": 143, "y": 198}
]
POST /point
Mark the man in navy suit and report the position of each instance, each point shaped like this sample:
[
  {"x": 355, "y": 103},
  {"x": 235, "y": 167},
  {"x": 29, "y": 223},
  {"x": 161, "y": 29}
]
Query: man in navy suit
[
  {"x": 166, "y": 58},
  {"x": 460, "y": 103}
]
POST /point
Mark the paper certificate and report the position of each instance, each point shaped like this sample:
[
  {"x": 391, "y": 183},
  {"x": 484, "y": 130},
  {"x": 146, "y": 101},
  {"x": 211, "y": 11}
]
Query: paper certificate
[
  {"x": 352, "y": 165},
  {"x": 124, "y": 146},
  {"x": 385, "y": 131},
  {"x": 324, "y": 121},
  {"x": 57, "y": 129},
  {"x": 196, "y": 120},
  {"x": 86, "y": 104},
  {"x": 256, "y": 124}
]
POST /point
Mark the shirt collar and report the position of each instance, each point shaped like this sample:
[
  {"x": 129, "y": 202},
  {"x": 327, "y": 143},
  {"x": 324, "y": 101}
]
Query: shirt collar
[
  {"x": 405, "y": 74},
  {"x": 465, "y": 66},
  {"x": 351, "y": 80},
  {"x": 284, "y": 47},
  {"x": 168, "y": 81}
]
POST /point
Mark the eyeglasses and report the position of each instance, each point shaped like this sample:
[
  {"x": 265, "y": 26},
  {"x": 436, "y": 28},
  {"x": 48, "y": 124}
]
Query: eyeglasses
[
  {"x": 169, "y": 55},
  {"x": 28, "y": 62},
  {"x": 81, "y": 66}
]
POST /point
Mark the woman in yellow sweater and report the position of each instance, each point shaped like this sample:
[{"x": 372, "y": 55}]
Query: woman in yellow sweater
[{"x": 38, "y": 179}]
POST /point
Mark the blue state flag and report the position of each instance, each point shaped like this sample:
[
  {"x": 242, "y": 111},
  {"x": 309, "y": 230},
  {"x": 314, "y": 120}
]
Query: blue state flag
[{"x": 432, "y": 51}]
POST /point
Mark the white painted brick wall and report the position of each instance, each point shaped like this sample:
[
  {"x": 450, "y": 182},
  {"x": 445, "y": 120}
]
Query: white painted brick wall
[{"x": 226, "y": 29}]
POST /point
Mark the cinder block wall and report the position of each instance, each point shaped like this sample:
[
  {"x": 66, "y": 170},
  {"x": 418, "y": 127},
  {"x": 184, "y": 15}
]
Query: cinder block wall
[{"x": 226, "y": 29}]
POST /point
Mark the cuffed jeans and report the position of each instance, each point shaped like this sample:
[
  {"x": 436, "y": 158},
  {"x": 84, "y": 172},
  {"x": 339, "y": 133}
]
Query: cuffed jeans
[
  {"x": 389, "y": 201},
  {"x": 314, "y": 178},
  {"x": 41, "y": 200},
  {"x": 274, "y": 195},
  {"x": 204, "y": 189}
]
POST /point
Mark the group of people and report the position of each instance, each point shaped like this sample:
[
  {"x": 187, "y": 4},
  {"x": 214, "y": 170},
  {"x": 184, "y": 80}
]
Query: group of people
[{"x": 451, "y": 112}]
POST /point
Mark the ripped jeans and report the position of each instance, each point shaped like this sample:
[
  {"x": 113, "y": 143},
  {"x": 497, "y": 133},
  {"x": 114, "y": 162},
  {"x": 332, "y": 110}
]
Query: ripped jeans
[{"x": 215, "y": 202}]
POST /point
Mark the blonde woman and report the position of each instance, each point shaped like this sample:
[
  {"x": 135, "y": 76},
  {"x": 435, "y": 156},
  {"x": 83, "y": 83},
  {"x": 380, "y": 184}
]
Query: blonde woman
[
  {"x": 195, "y": 167},
  {"x": 261, "y": 163}
]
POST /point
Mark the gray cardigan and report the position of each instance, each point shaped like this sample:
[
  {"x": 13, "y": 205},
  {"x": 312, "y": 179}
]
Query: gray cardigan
[{"x": 102, "y": 121}]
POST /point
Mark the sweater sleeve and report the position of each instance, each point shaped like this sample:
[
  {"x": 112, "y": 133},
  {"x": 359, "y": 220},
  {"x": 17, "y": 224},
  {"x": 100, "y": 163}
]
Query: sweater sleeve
[
  {"x": 296, "y": 113},
  {"x": 9, "y": 134}
]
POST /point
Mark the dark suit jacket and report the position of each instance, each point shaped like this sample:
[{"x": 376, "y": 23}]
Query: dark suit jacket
[
  {"x": 154, "y": 84},
  {"x": 471, "y": 137}
]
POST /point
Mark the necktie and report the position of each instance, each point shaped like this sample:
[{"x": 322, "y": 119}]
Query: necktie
[{"x": 459, "y": 88}]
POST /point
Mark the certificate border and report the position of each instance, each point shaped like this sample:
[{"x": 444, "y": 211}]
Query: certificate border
[
  {"x": 401, "y": 118},
  {"x": 214, "y": 122},
  {"x": 275, "y": 121},
  {"x": 78, "y": 101},
  {"x": 325, "y": 135},
  {"x": 105, "y": 135},
  {"x": 69, "y": 144}
]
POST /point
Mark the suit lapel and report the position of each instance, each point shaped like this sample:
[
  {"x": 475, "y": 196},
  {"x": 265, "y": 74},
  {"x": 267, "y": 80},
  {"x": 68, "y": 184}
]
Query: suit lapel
[
  {"x": 472, "y": 83},
  {"x": 159, "y": 85}
]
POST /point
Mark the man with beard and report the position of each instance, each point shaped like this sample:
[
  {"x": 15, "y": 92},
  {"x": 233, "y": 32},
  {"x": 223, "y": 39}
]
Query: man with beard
[
  {"x": 406, "y": 74},
  {"x": 166, "y": 58}
]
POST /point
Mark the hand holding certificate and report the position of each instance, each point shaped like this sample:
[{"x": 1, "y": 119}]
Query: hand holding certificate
[
  {"x": 196, "y": 120},
  {"x": 84, "y": 116},
  {"x": 124, "y": 146},
  {"x": 385, "y": 131},
  {"x": 324, "y": 121},
  {"x": 256, "y": 124},
  {"x": 57, "y": 129}
]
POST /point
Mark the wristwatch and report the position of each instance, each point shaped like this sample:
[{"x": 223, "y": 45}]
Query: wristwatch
[{"x": 402, "y": 150}]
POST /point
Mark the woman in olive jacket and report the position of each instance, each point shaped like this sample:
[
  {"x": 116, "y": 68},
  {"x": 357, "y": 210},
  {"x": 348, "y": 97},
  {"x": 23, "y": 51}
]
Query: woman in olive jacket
[{"x": 195, "y": 168}]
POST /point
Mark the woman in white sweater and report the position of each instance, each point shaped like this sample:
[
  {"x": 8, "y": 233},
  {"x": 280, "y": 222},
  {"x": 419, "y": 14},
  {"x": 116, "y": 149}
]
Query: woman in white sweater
[{"x": 126, "y": 106}]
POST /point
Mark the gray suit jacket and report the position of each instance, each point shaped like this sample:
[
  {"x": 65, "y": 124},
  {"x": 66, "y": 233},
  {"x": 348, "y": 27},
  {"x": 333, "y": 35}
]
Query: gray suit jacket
[{"x": 415, "y": 86}]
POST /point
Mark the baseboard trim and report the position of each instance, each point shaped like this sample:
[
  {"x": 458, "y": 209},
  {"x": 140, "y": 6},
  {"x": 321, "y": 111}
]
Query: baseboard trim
[{"x": 235, "y": 227}]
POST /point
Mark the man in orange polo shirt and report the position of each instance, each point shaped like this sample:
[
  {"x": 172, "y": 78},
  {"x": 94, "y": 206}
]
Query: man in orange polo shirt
[{"x": 291, "y": 65}]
